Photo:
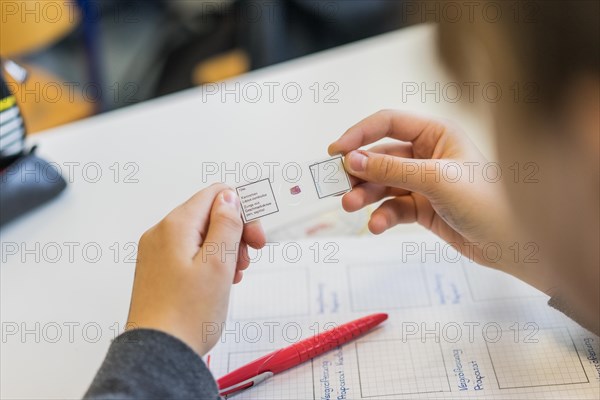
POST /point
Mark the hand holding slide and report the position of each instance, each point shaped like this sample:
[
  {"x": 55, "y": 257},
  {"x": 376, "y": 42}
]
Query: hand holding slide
[
  {"x": 186, "y": 265},
  {"x": 434, "y": 175}
]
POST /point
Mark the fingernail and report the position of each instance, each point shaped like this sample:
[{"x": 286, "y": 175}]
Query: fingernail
[
  {"x": 231, "y": 199},
  {"x": 330, "y": 149},
  {"x": 358, "y": 161}
]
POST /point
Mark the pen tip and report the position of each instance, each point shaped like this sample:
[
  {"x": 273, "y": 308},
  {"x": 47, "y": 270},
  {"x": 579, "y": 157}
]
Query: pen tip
[{"x": 380, "y": 317}]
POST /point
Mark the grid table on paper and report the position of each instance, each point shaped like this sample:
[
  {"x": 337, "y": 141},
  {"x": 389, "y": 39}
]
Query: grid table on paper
[
  {"x": 546, "y": 359},
  {"x": 371, "y": 288},
  {"x": 396, "y": 367},
  {"x": 272, "y": 293}
]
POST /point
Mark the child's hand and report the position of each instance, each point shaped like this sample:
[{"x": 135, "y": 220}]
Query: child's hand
[
  {"x": 432, "y": 175},
  {"x": 186, "y": 265}
]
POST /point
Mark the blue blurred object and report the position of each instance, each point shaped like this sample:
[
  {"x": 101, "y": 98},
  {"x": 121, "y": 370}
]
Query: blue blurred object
[{"x": 91, "y": 38}]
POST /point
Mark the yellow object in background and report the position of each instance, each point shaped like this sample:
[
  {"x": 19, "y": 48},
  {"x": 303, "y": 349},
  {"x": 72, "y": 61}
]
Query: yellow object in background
[
  {"x": 46, "y": 101},
  {"x": 7, "y": 102},
  {"x": 27, "y": 26},
  {"x": 221, "y": 67}
]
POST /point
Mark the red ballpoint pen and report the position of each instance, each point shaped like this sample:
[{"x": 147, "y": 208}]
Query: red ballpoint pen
[{"x": 291, "y": 356}]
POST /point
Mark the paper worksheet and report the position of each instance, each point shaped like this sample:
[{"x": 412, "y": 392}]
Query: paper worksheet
[{"x": 455, "y": 329}]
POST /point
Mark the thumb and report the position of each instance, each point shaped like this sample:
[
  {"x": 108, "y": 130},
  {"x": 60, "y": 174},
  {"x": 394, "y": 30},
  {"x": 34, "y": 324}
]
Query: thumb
[
  {"x": 220, "y": 248},
  {"x": 406, "y": 173}
]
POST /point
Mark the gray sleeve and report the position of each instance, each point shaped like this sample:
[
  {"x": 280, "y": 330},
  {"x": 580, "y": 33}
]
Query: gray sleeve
[{"x": 149, "y": 364}]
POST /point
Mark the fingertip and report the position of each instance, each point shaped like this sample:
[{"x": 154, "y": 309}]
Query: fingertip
[
  {"x": 350, "y": 203},
  {"x": 244, "y": 257},
  {"x": 254, "y": 235},
  {"x": 377, "y": 224},
  {"x": 332, "y": 149},
  {"x": 230, "y": 199},
  {"x": 239, "y": 275}
]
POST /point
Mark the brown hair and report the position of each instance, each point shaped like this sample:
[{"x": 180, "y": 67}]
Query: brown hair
[{"x": 548, "y": 42}]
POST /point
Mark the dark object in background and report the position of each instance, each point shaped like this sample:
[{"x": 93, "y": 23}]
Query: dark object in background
[
  {"x": 26, "y": 181},
  {"x": 294, "y": 28},
  {"x": 149, "y": 48},
  {"x": 26, "y": 184},
  {"x": 274, "y": 31}
]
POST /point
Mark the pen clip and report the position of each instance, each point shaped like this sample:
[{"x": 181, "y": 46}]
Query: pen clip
[{"x": 245, "y": 384}]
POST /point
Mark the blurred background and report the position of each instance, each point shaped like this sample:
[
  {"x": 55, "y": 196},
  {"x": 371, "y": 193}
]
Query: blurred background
[{"x": 66, "y": 60}]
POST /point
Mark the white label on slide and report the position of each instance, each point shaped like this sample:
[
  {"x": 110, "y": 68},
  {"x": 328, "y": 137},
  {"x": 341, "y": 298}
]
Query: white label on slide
[{"x": 257, "y": 200}]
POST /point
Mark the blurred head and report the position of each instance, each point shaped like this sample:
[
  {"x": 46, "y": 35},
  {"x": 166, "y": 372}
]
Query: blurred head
[{"x": 544, "y": 55}]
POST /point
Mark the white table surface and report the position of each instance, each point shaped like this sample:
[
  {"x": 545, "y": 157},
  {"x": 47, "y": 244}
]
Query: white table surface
[{"x": 168, "y": 139}]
